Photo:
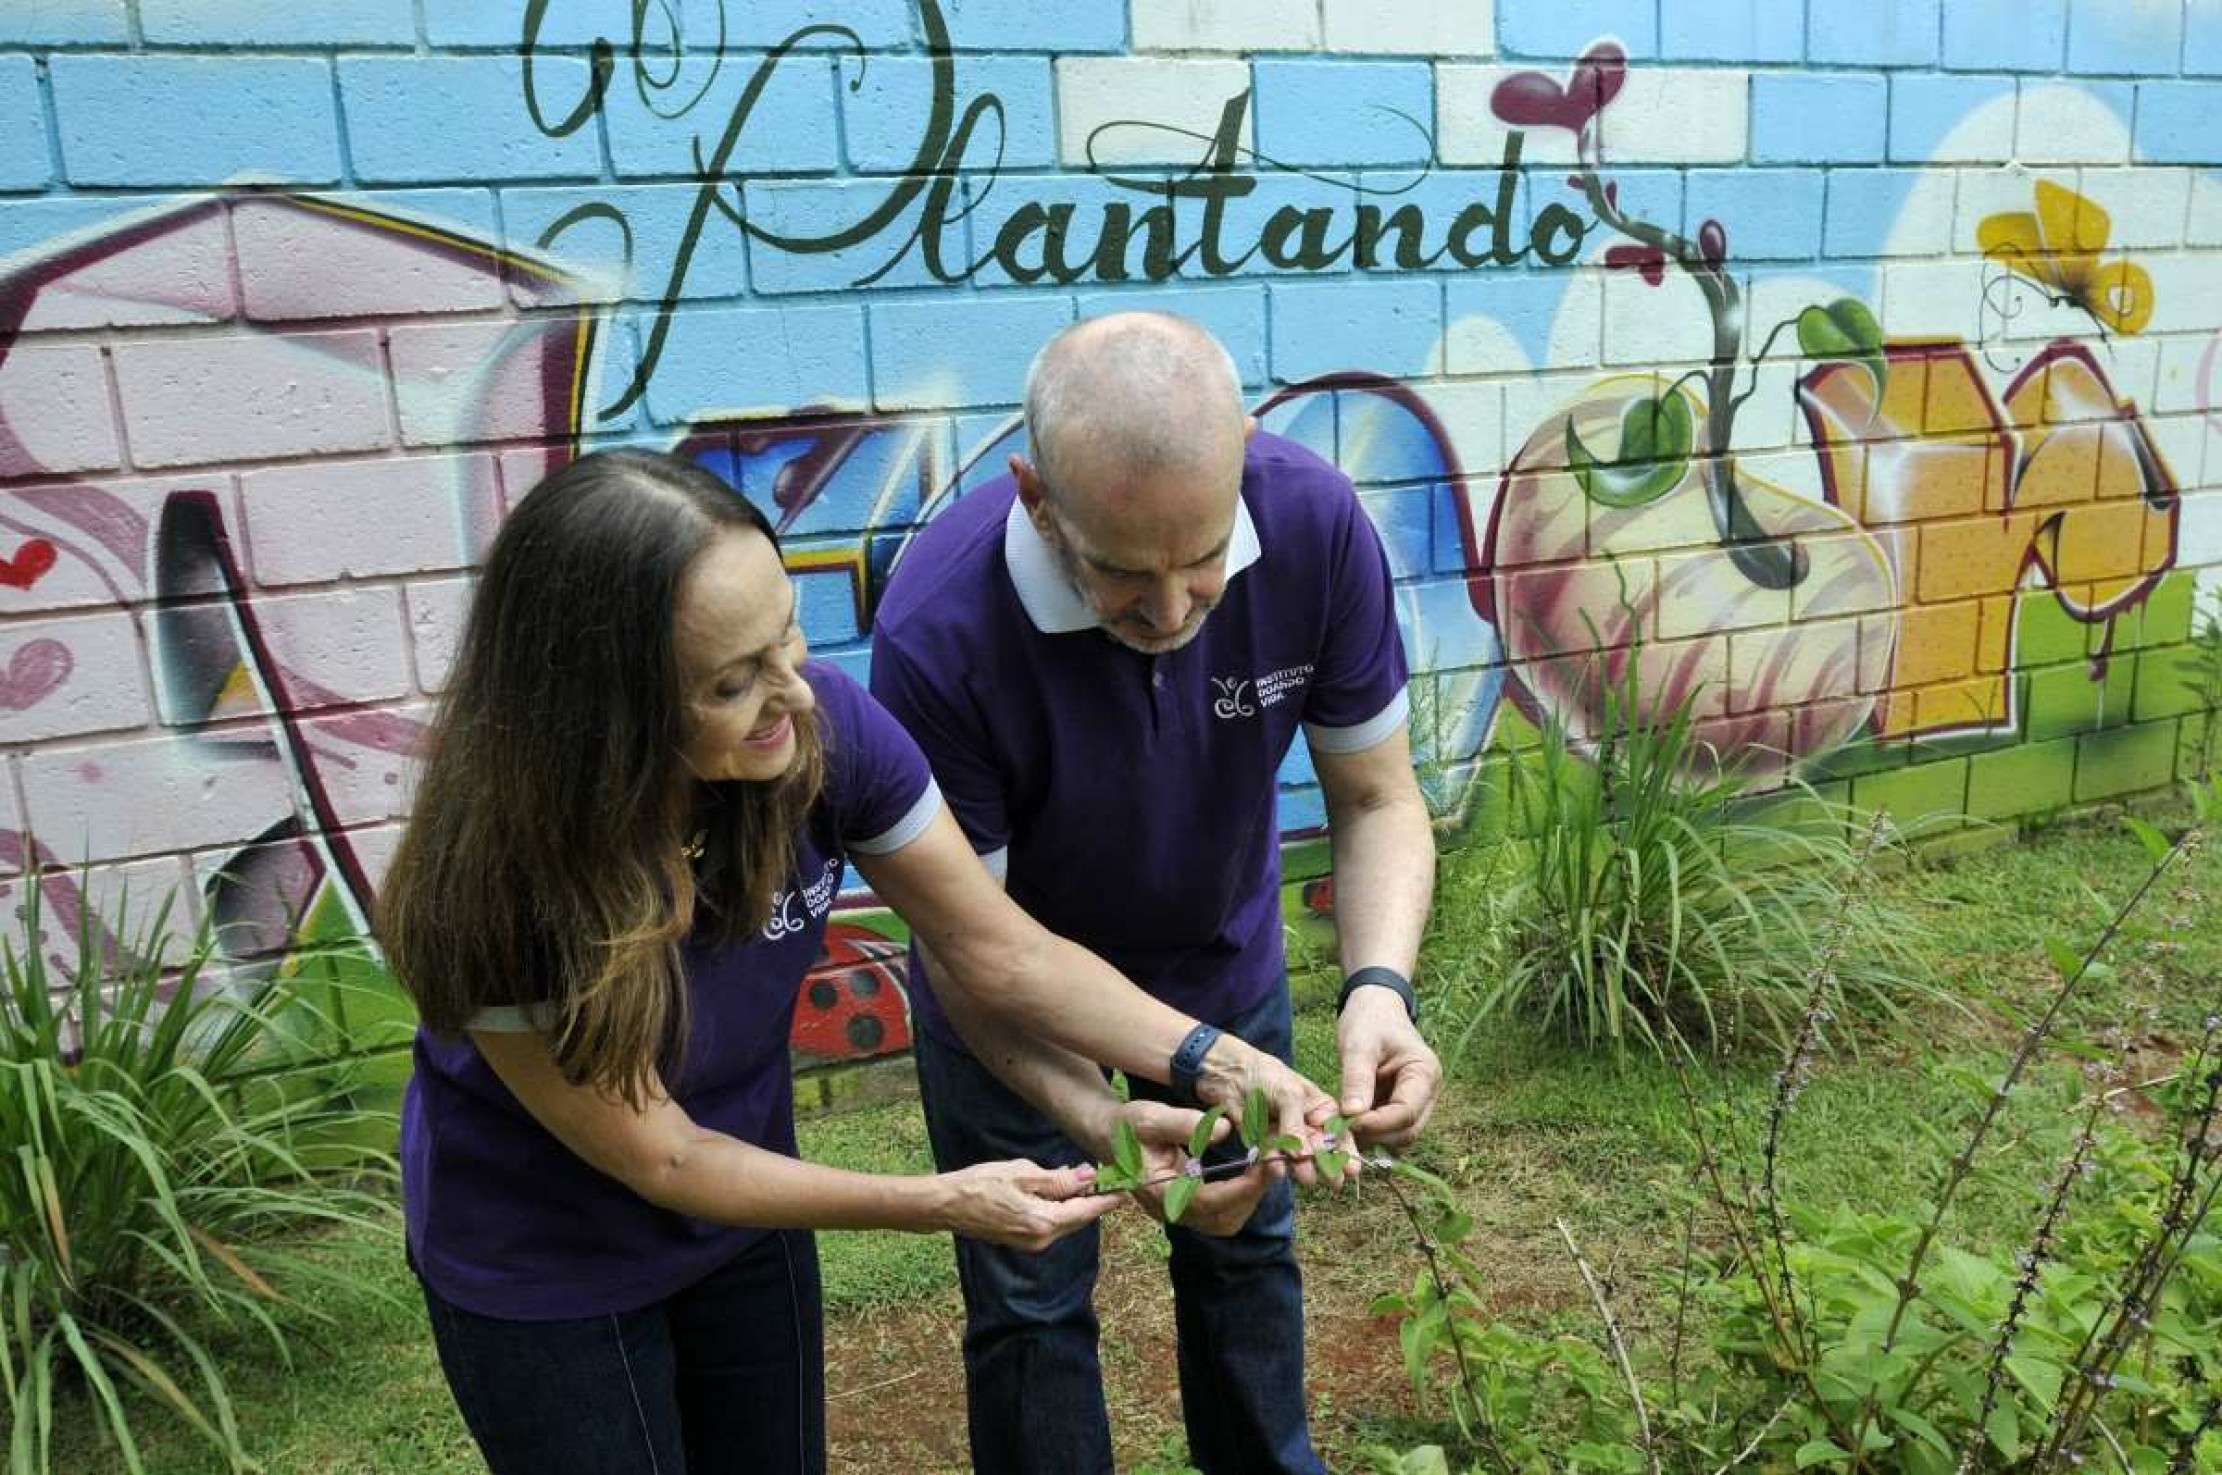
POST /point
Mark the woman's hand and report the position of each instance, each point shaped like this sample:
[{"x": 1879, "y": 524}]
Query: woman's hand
[{"x": 1018, "y": 1204}]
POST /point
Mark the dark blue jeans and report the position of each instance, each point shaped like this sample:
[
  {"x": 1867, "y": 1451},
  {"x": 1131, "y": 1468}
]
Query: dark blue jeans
[
  {"x": 1033, "y": 1388},
  {"x": 725, "y": 1377}
]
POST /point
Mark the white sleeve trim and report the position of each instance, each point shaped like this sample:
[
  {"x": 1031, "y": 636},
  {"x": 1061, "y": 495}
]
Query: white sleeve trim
[
  {"x": 998, "y": 862},
  {"x": 1363, "y": 736},
  {"x": 914, "y": 823},
  {"x": 510, "y": 1019}
]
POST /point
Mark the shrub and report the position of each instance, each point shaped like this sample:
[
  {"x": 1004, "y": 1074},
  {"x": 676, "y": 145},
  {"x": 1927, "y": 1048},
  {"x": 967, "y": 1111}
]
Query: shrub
[
  {"x": 1656, "y": 902},
  {"x": 158, "y": 1132}
]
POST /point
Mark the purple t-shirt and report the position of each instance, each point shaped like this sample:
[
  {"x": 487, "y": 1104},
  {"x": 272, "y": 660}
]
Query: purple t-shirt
[
  {"x": 1128, "y": 798},
  {"x": 506, "y": 1221}
]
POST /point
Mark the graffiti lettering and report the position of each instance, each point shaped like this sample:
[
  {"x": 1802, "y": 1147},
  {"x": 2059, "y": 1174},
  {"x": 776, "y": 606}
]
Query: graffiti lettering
[{"x": 1036, "y": 240}]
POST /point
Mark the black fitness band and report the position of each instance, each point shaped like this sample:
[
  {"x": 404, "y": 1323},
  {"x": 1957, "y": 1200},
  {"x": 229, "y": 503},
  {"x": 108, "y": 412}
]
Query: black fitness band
[
  {"x": 1387, "y": 978},
  {"x": 1188, "y": 1060}
]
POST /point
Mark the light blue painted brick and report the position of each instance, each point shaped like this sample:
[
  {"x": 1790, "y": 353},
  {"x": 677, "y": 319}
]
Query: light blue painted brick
[
  {"x": 1862, "y": 206},
  {"x": 757, "y": 361},
  {"x": 1731, "y": 30},
  {"x": 826, "y": 604},
  {"x": 1233, "y": 315},
  {"x": 1818, "y": 118},
  {"x": 1655, "y": 195},
  {"x": 2202, "y": 38},
  {"x": 413, "y": 120},
  {"x": 25, "y": 162},
  {"x": 279, "y": 22},
  {"x": 64, "y": 23},
  {"x": 1925, "y": 110},
  {"x": 816, "y": 211},
  {"x": 2124, "y": 37},
  {"x": 879, "y": 24},
  {"x": 1324, "y": 327},
  {"x": 1872, "y": 33},
  {"x": 1344, "y": 112},
  {"x": 1769, "y": 214},
  {"x": 1030, "y": 25},
  {"x": 855, "y": 662},
  {"x": 2179, "y": 123},
  {"x": 1453, "y": 555},
  {"x": 2005, "y": 35},
  {"x": 954, "y": 351},
  {"x": 1296, "y": 769},
  {"x": 564, "y": 23},
  {"x": 1525, "y": 304},
  {"x": 216, "y": 117},
  {"x": 791, "y": 130},
  {"x": 884, "y": 101},
  {"x": 657, "y": 216},
  {"x": 984, "y": 446},
  {"x": 1090, "y": 198},
  {"x": 1560, "y": 28},
  {"x": 1300, "y": 809},
  {"x": 1405, "y": 519}
]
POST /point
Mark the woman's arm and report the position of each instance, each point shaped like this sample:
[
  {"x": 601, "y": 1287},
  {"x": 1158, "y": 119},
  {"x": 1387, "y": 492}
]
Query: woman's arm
[
  {"x": 660, "y": 1153},
  {"x": 1018, "y": 972}
]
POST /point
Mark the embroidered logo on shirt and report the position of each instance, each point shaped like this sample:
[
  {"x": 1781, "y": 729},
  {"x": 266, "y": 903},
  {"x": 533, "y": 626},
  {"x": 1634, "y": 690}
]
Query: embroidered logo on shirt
[
  {"x": 1241, "y": 697},
  {"x": 816, "y": 900}
]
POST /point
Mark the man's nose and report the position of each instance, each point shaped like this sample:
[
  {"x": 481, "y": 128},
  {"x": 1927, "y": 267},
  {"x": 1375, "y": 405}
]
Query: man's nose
[{"x": 1166, "y": 606}]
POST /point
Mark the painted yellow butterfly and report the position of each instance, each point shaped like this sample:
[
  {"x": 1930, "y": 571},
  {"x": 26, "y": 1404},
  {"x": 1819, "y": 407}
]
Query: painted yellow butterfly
[{"x": 2059, "y": 247}]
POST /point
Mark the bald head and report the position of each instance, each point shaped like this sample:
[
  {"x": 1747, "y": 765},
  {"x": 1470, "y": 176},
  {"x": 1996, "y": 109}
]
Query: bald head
[{"x": 1126, "y": 397}]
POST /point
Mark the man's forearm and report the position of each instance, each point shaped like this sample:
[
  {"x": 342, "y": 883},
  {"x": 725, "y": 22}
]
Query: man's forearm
[
  {"x": 1067, "y": 1088},
  {"x": 1384, "y": 859}
]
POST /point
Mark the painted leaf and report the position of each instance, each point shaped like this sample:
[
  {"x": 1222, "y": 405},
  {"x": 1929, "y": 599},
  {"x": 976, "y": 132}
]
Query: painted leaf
[
  {"x": 1178, "y": 1198},
  {"x": 1655, "y": 440},
  {"x": 1200, "y": 1139},
  {"x": 1845, "y": 329}
]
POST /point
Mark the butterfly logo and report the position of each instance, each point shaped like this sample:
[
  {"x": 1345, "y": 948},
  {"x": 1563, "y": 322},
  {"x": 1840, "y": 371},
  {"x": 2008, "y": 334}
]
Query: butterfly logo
[{"x": 2058, "y": 248}]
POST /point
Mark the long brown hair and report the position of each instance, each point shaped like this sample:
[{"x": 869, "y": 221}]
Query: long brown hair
[{"x": 545, "y": 862}]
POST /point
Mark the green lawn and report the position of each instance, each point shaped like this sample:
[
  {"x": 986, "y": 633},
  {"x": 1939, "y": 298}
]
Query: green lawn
[{"x": 1529, "y": 1131}]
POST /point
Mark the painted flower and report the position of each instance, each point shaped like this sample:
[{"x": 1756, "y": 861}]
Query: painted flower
[{"x": 2058, "y": 248}]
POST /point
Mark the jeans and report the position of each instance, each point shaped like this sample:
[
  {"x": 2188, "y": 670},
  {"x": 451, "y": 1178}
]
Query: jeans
[
  {"x": 1033, "y": 1387},
  {"x": 724, "y": 1377}
]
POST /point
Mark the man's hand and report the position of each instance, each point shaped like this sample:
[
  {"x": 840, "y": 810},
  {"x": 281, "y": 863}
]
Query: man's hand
[
  {"x": 1300, "y": 1109},
  {"x": 1219, "y": 1207},
  {"x": 1389, "y": 1075}
]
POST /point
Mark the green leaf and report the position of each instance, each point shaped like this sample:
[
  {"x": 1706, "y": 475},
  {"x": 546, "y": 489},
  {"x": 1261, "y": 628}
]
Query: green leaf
[
  {"x": 1820, "y": 1452},
  {"x": 1257, "y": 1117},
  {"x": 2004, "y": 1430},
  {"x": 2039, "y": 1377},
  {"x": 2155, "y": 843},
  {"x": 1179, "y": 1197},
  {"x": 1332, "y": 1164},
  {"x": 2065, "y": 959},
  {"x": 1126, "y": 1148},
  {"x": 1845, "y": 329},
  {"x": 1656, "y": 435},
  {"x": 1200, "y": 1139},
  {"x": 1284, "y": 1142}
]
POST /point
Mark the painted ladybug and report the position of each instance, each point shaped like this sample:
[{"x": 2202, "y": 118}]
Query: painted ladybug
[{"x": 853, "y": 1004}]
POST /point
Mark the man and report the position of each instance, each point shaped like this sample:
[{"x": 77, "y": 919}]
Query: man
[{"x": 1105, "y": 656}]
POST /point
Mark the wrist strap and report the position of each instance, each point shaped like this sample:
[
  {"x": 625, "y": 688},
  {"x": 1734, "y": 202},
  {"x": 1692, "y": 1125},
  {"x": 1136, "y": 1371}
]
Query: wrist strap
[
  {"x": 1188, "y": 1060},
  {"x": 1387, "y": 978}
]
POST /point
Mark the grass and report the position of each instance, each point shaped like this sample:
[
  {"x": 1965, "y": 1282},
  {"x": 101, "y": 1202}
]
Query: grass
[{"x": 1530, "y": 1129}]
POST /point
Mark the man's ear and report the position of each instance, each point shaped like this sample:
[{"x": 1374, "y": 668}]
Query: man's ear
[{"x": 1032, "y": 494}]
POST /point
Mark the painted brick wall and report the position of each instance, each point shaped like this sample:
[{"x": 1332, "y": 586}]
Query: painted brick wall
[{"x": 298, "y": 296}]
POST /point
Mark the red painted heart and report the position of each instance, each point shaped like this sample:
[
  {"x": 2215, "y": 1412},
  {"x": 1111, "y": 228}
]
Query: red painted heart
[
  {"x": 1533, "y": 100},
  {"x": 36, "y": 670},
  {"x": 1649, "y": 260},
  {"x": 29, "y": 565}
]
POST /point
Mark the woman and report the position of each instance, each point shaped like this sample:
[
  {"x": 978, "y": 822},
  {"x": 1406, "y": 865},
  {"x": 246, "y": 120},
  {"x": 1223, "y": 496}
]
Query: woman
[{"x": 635, "y": 807}]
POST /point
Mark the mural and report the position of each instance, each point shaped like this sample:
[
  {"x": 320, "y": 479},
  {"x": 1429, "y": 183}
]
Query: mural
[{"x": 1890, "y": 461}]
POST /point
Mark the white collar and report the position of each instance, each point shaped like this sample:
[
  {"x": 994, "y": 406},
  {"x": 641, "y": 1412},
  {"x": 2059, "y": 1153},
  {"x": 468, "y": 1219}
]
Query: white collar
[{"x": 1048, "y": 597}]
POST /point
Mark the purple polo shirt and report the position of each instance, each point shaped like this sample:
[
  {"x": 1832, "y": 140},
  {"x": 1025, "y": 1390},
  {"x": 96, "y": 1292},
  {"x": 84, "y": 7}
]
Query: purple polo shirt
[
  {"x": 1129, "y": 799},
  {"x": 506, "y": 1221}
]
